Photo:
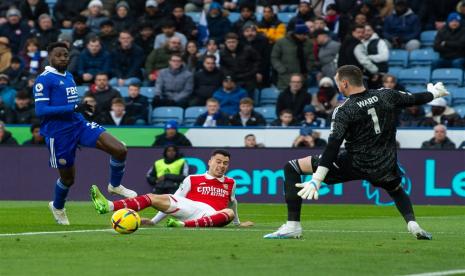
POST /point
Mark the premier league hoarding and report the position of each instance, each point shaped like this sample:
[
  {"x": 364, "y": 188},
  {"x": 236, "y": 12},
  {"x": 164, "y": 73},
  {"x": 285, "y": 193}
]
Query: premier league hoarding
[{"x": 431, "y": 177}]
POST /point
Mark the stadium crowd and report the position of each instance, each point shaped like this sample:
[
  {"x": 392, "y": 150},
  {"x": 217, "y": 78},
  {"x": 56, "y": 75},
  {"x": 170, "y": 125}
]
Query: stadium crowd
[{"x": 234, "y": 58}]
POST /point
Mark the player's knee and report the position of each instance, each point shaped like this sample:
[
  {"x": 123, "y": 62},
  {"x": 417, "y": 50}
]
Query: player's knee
[
  {"x": 289, "y": 169},
  {"x": 67, "y": 181},
  {"x": 121, "y": 151}
]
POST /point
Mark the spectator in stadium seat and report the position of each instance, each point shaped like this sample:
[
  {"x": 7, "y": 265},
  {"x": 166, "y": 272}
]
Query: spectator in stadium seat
[
  {"x": 305, "y": 13},
  {"x": 402, "y": 28},
  {"x": 195, "y": 5},
  {"x": 308, "y": 139},
  {"x": 271, "y": 26},
  {"x": 449, "y": 43},
  {"x": 310, "y": 119},
  {"x": 17, "y": 75},
  {"x": 294, "y": 97},
  {"x": 372, "y": 15},
  {"x": 95, "y": 15},
  {"x": 45, "y": 32},
  {"x": 81, "y": 32},
  {"x": 65, "y": 10},
  {"x": 325, "y": 100},
  {"x": 102, "y": 92},
  {"x": 32, "y": 9},
  {"x": 441, "y": 113},
  {"x": 23, "y": 111},
  {"x": 152, "y": 15},
  {"x": 137, "y": 105},
  {"x": 171, "y": 136},
  {"x": 174, "y": 84},
  {"x": 229, "y": 96},
  {"x": 33, "y": 58},
  {"x": 94, "y": 114},
  {"x": 390, "y": 81},
  {"x": 373, "y": 56},
  {"x": 328, "y": 50},
  {"x": 15, "y": 29},
  {"x": 412, "y": 116},
  {"x": 159, "y": 58},
  {"x": 247, "y": 116},
  {"x": 212, "y": 50},
  {"x": 166, "y": 174},
  {"x": 7, "y": 93},
  {"x": 240, "y": 61},
  {"x": 206, "y": 81},
  {"x": 320, "y": 25},
  {"x": 117, "y": 116},
  {"x": 123, "y": 19},
  {"x": 213, "y": 117},
  {"x": 184, "y": 23},
  {"x": 247, "y": 14},
  {"x": 145, "y": 37},
  {"x": 250, "y": 141},
  {"x": 192, "y": 56},
  {"x": 36, "y": 139},
  {"x": 127, "y": 61},
  {"x": 168, "y": 31},
  {"x": 293, "y": 54},
  {"x": 347, "y": 50},
  {"x": 5, "y": 54},
  {"x": 5, "y": 113},
  {"x": 439, "y": 140},
  {"x": 5, "y": 136},
  {"x": 285, "y": 119},
  {"x": 218, "y": 24},
  {"x": 261, "y": 45},
  {"x": 109, "y": 36},
  {"x": 92, "y": 60}
]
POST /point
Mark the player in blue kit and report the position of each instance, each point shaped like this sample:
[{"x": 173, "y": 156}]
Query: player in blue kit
[{"x": 64, "y": 128}]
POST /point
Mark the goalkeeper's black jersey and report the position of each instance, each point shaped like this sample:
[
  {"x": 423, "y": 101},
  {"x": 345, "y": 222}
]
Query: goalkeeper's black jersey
[{"x": 367, "y": 121}]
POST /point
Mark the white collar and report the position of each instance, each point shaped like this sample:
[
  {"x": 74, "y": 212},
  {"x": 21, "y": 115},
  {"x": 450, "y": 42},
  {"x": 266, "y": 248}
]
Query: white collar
[
  {"x": 54, "y": 71},
  {"x": 208, "y": 176}
]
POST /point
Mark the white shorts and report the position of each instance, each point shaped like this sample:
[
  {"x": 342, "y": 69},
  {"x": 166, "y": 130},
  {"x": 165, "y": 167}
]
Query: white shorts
[{"x": 185, "y": 209}]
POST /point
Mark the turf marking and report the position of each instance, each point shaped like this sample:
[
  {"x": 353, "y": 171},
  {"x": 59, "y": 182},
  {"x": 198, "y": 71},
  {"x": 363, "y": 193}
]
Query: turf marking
[{"x": 440, "y": 273}]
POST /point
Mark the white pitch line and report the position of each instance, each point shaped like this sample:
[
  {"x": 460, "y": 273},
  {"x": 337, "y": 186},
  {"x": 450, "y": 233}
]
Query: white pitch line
[
  {"x": 439, "y": 273},
  {"x": 214, "y": 229}
]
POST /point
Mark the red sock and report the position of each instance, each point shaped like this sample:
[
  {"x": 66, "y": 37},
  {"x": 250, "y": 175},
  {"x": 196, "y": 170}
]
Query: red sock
[
  {"x": 136, "y": 203},
  {"x": 216, "y": 220}
]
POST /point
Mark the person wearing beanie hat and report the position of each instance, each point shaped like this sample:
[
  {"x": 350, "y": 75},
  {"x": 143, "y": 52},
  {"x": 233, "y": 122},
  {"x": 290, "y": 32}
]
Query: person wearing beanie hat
[
  {"x": 122, "y": 18},
  {"x": 305, "y": 13},
  {"x": 171, "y": 136},
  {"x": 15, "y": 29},
  {"x": 449, "y": 43},
  {"x": 95, "y": 15},
  {"x": 325, "y": 100},
  {"x": 311, "y": 119},
  {"x": 247, "y": 14},
  {"x": 218, "y": 25}
]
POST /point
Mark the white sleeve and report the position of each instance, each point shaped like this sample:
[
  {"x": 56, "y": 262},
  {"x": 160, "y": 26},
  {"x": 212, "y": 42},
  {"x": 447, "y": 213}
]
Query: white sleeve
[
  {"x": 383, "y": 52},
  {"x": 233, "y": 205},
  {"x": 184, "y": 188},
  {"x": 362, "y": 57}
]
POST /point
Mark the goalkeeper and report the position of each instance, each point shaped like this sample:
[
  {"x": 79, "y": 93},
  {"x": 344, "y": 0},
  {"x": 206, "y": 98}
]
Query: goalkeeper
[{"x": 366, "y": 120}]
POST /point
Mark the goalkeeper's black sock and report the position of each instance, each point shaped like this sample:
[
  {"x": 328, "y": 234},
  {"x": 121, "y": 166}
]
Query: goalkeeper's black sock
[
  {"x": 403, "y": 203},
  {"x": 292, "y": 174}
]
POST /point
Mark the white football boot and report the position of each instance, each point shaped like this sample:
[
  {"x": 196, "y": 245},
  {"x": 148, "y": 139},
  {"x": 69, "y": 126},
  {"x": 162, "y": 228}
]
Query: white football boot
[
  {"x": 59, "y": 214},
  {"x": 418, "y": 232},
  {"x": 122, "y": 191},
  {"x": 289, "y": 230}
]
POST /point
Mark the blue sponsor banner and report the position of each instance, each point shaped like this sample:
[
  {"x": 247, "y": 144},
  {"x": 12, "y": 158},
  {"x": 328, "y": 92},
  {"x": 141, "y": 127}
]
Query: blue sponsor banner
[{"x": 430, "y": 177}]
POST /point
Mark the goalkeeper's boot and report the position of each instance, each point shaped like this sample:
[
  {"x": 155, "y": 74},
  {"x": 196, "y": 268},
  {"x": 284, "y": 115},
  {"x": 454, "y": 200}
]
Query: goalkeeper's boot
[
  {"x": 121, "y": 190},
  {"x": 288, "y": 230},
  {"x": 59, "y": 214},
  {"x": 171, "y": 222},
  {"x": 418, "y": 232},
  {"x": 100, "y": 202}
]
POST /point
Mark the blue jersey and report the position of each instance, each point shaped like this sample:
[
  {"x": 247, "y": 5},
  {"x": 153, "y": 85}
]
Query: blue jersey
[{"x": 55, "y": 98}]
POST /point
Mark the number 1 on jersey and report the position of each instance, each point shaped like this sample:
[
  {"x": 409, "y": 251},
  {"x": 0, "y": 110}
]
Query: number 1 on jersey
[{"x": 374, "y": 117}]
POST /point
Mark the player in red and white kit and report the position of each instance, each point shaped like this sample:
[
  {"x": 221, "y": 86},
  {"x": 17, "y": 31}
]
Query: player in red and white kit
[{"x": 203, "y": 200}]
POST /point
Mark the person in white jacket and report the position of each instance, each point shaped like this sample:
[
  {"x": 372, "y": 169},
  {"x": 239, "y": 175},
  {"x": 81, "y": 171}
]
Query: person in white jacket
[{"x": 372, "y": 53}]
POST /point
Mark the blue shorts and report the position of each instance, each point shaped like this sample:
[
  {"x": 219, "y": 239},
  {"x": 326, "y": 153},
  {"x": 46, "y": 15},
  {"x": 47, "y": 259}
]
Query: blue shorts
[{"x": 62, "y": 147}]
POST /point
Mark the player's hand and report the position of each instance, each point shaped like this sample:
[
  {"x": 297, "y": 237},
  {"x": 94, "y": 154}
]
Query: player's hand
[
  {"x": 438, "y": 90},
  {"x": 309, "y": 189},
  {"x": 83, "y": 107},
  {"x": 246, "y": 224}
]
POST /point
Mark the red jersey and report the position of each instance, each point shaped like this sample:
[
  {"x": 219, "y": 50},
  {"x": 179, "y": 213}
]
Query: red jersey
[{"x": 216, "y": 192}]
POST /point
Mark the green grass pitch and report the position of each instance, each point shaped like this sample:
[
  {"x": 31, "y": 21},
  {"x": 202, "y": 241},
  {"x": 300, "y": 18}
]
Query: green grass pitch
[{"x": 338, "y": 240}]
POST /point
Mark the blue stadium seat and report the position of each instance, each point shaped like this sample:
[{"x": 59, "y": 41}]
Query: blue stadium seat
[
  {"x": 82, "y": 90},
  {"x": 415, "y": 88},
  {"x": 269, "y": 112},
  {"x": 195, "y": 16},
  {"x": 269, "y": 96},
  {"x": 191, "y": 114},
  {"x": 460, "y": 109},
  {"x": 427, "y": 38},
  {"x": 162, "y": 114},
  {"x": 418, "y": 75},
  {"x": 394, "y": 70},
  {"x": 147, "y": 91},
  {"x": 448, "y": 76},
  {"x": 422, "y": 57},
  {"x": 123, "y": 90},
  {"x": 398, "y": 57},
  {"x": 285, "y": 17},
  {"x": 457, "y": 94},
  {"x": 234, "y": 16}
]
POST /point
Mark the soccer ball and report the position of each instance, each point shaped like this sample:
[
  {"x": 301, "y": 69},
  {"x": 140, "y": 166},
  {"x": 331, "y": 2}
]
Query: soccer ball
[{"x": 125, "y": 221}]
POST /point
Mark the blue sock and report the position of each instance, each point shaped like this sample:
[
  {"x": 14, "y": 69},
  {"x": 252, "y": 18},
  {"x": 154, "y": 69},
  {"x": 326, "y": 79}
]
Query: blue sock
[
  {"x": 61, "y": 191},
  {"x": 116, "y": 171}
]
